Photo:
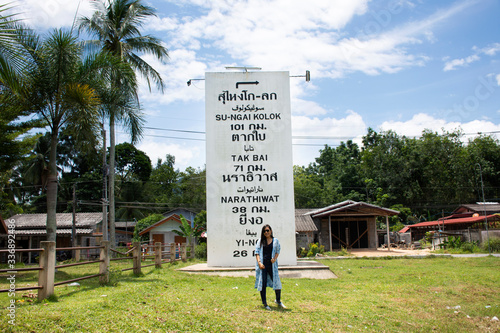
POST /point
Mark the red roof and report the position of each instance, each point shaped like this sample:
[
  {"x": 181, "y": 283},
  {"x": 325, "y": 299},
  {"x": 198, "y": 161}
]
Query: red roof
[{"x": 472, "y": 219}]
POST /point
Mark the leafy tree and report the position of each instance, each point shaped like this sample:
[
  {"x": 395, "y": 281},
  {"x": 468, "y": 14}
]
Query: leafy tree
[
  {"x": 191, "y": 189},
  {"x": 308, "y": 192},
  {"x": 482, "y": 155},
  {"x": 116, "y": 25},
  {"x": 145, "y": 223},
  {"x": 190, "y": 232},
  {"x": 163, "y": 180},
  {"x": 132, "y": 164},
  {"x": 200, "y": 220}
]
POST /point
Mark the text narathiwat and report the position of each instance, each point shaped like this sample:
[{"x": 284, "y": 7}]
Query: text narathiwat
[{"x": 249, "y": 198}]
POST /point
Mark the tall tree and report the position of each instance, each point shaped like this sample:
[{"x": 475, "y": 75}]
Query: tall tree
[
  {"x": 62, "y": 88},
  {"x": 116, "y": 24},
  {"x": 56, "y": 90},
  {"x": 15, "y": 144}
]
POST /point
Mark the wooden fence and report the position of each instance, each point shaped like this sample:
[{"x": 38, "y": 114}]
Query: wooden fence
[{"x": 161, "y": 253}]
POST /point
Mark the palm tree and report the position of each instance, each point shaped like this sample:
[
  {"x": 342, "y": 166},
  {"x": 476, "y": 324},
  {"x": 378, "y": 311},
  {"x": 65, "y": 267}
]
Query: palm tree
[
  {"x": 62, "y": 88},
  {"x": 56, "y": 91},
  {"x": 115, "y": 24},
  {"x": 10, "y": 58}
]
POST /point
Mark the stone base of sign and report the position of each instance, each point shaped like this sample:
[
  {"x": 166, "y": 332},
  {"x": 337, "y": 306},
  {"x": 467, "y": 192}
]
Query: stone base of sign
[{"x": 303, "y": 269}]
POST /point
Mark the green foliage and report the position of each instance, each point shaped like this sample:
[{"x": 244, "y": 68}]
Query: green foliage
[
  {"x": 396, "y": 227},
  {"x": 312, "y": 250},
  {"x": 115, "y": 275},
  {"x": 200, "y": 251},
  {"x": 494, "y": 245},
  {"x": 200, "y": 220},
  {"x": 452, "y": 242},
  {"x": 188, "y": 231},
  {"x": 470, "y": 247},
  {"x": 145, "y": 223},
  {"x": 132, "y": 163},
  {"x": 169, "y": 300}
]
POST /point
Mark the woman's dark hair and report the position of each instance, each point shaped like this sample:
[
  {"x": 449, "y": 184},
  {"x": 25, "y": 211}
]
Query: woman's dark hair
[{"x": 263, "y": 236}]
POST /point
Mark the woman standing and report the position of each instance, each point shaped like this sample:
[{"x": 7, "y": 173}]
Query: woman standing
[{"x": 266, "y": 269}]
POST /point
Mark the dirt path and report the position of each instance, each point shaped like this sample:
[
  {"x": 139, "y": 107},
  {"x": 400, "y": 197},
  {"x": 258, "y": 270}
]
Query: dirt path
[{"x": 385, "y": 252}]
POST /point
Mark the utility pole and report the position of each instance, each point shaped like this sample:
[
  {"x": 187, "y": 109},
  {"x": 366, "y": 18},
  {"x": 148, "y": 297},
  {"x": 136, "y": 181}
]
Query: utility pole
[
  {"x": 73, "y": 228},
  {"x": 104, "y": 187},
  {"x": 484, "y": 209}
]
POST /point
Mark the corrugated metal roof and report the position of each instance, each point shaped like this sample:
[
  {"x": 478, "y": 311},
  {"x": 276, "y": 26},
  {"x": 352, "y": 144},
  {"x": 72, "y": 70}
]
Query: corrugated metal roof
[
  {"x": 303, "y": 221},
  {"x": 32, "y": 232},
  {"x": 462, "y": 220},
  {"x": 63, "y": 220},
  {"x": 489, "y": 207},
  {"x": 353, "y": 208},
  {"x": 130, "y": 224}
]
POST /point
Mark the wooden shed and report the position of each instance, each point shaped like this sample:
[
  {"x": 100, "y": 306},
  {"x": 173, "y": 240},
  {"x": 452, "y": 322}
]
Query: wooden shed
[{"x": 349, "y": 224}]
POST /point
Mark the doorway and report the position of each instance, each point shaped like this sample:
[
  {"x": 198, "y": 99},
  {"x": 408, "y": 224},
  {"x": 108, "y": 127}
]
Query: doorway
[{"x": 349, "y": 233}]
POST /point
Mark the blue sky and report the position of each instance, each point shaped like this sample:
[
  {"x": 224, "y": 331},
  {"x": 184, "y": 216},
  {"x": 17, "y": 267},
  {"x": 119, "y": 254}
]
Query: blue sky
[{"x": 404, "y": 65}]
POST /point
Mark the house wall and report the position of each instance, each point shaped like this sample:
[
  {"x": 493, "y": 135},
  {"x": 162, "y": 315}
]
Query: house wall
[
  {"x": 323, "y": 234},
  {"x": 303, "y": 239},
  {"x": 165, "y": 229}
]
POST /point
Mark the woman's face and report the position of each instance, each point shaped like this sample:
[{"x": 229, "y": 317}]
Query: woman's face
[{"x": 268, "y": 232}]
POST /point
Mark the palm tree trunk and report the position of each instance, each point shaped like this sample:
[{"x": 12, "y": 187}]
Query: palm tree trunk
[
  {"x": 51, "y": 226},
  {"x": 111, "y": 222}
]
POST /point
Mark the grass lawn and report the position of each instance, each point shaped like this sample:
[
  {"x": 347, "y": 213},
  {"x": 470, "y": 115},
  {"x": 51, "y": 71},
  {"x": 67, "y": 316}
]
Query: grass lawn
[{"x": 370, "y": 295}]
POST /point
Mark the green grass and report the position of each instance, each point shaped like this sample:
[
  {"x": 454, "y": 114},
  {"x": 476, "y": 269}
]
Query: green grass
[{"x": 370, "y": 295}]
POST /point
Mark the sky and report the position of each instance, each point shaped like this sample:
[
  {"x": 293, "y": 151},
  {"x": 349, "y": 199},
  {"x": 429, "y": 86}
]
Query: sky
[{"x": 401, "y": 65}]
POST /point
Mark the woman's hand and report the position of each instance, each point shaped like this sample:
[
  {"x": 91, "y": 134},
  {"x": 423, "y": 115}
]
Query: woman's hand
[
  {"x": 261, "y": 265},
  {"x": 273, "y": 261}
]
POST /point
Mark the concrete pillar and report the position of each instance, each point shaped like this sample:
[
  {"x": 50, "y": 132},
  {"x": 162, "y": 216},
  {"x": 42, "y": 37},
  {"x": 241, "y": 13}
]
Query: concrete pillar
[
  {"x": 48, "y": 265},
  {"x": 158, "y": 255},
  {"x": 172, "y": 252},
  {"x": 388, "y": 234},
  {"x": 137, "y": 257},
  {"x": 104, "y": 264},
  {"x": 184, "y": 252}
]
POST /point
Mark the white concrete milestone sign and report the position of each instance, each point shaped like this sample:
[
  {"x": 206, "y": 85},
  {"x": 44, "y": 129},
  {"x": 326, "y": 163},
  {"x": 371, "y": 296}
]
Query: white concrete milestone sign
[{"x": 249, "y": 165}]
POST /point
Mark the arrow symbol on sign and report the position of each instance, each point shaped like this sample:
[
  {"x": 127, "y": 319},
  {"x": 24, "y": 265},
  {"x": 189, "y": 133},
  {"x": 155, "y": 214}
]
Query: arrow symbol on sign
[{"x": 238, "y": 83}]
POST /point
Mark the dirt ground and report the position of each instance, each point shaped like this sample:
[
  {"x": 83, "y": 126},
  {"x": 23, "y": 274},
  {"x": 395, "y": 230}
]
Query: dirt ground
[{"x": 385, "y": 252}]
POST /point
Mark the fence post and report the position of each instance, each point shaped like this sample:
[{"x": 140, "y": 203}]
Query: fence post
[
  {"x": 137, "y": 257},
  {"x": 104, "y": 264},
  {"x": 192, "y": 254},
  {"x": 172, "y": 252},
  {"x": 48, "y": 265},
  {"x": 77, "y": 255},
  {"x": 184, "y": 252},
  {"x": 157, "y": 255}
]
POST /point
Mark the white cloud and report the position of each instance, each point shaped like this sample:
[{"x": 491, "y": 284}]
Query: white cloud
[
  {"x": 343, "y": 128},
  {"x": 422, "y": 121},
  {"x": 52, "y": 13},
  {"x": 453, "y": 64},
  {"x": 321, "y": 131},
  {"x": 293, "y": 36},
  {"x": 184, "y": 156},
  {"x": 489, "y": 50}
]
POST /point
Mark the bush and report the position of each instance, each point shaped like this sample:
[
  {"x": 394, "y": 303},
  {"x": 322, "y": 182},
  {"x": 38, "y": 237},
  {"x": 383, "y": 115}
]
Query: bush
[
  {"x": 302, "y": 252},
  {"x": 314, "y": 249},
  {"x": 494, "y": 244},
  {"x": 200, "y": 251},
  {"x": 452, "y": 243},
  {"x": 470, "y": 247}
]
